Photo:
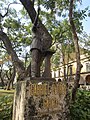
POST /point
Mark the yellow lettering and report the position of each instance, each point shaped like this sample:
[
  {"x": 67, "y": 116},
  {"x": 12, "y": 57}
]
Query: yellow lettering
[
  {"x": 49, "y": 103},
  {"x": 55, "y": 89},
  {"x": 33, "y": 89},
  {"x": 45, "y": 89}
]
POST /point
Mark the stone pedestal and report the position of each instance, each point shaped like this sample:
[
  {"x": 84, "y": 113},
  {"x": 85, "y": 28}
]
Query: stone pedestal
[{"x": 39, "y": 99}]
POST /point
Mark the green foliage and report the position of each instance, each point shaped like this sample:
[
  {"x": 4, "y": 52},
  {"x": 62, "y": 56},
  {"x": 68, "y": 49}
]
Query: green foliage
[
  {"x": 49, "y": 4},
  {"x": 79, "y": 16},
  {"x": 6, "y": 107},
  {"x": 85, "y": 43},
  {"x": 80, "y": 109}
]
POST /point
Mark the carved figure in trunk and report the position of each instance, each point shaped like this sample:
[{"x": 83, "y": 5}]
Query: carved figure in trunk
[{"x": 39, "y": 46}]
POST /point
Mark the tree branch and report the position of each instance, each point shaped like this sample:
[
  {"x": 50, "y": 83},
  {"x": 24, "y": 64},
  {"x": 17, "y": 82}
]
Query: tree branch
[
  {"x": 16, "y": 61},
  {"x": 8, "y": 9}
]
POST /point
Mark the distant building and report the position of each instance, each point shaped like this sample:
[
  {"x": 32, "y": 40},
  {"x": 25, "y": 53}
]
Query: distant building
[{"x": 71, "y": 68}]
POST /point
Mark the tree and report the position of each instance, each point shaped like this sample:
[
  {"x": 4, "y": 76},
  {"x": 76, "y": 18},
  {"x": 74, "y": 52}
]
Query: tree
[
  {"x": 64, "y": 44},
  {"x": 77, "y": 51}
]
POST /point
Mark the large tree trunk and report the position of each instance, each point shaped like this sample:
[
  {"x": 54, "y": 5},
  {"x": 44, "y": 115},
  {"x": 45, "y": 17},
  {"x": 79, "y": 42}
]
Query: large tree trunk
[
  {"x": 36, "y": 63},
  {"x": 77, "y": 51},
  {"x": 42, "y": 40}
]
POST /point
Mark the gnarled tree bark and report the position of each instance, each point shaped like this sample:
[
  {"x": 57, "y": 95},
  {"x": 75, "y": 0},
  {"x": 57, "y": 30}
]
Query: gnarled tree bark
[
  {"x": 42, "y": 32},
  {"x": 42, "y": 40}
]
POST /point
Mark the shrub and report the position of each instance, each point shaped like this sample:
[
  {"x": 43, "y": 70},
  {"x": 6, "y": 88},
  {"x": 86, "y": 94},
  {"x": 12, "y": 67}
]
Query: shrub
[{"x": 80, "y": 109}]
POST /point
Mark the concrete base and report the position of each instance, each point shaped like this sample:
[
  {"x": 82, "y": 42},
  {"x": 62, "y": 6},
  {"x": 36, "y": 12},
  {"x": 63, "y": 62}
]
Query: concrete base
[{"x": 38, "y": 99}]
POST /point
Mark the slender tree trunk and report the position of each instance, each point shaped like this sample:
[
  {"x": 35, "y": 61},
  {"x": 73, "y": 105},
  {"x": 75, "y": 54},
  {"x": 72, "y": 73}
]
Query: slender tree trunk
[
  {"x": 11, "y": 79},
  {"x": 64, "y": 69},
  {"x": 2, "y": 79},
  {"x": 77, "y": 51}
]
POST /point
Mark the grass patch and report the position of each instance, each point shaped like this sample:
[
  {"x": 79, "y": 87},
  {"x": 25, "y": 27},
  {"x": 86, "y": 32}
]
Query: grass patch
[{"x": 7, "y": 91}]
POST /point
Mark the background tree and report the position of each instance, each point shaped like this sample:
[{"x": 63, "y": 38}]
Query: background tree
[{"x": 17, "y": 38}]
